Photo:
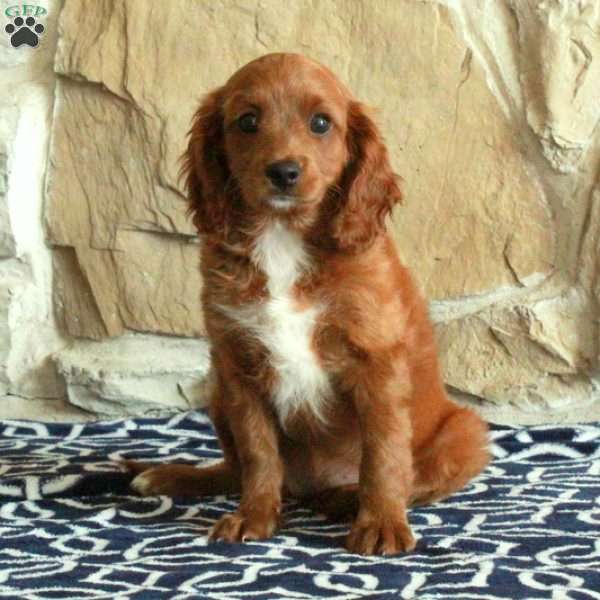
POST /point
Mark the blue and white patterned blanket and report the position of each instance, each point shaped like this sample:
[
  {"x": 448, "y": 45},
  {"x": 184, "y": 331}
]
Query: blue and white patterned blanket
[{"x": 528, "y": 528}]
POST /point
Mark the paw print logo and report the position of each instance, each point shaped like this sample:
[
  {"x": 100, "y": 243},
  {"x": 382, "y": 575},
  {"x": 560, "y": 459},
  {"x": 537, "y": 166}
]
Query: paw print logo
[{"x": 24, "y": 32}]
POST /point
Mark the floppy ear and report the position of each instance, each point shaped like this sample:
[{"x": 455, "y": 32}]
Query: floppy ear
[
  {"x": 205, "y": 168},
  {"x": 369, "y": 187}
]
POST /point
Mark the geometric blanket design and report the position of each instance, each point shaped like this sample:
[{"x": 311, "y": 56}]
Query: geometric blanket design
[{"x": 527, "y": 528}]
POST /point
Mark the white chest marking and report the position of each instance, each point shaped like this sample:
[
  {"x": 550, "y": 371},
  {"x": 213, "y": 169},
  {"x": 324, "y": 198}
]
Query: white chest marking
[{"x": 285, "y": 330}]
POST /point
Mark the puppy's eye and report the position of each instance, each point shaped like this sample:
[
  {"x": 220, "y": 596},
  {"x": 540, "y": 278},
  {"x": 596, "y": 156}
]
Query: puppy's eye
[
  {"x": 320, "y": 124},
  {"x": 248, "y": 123}
]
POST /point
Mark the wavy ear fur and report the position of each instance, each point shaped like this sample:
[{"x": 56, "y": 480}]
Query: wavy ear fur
[
  {"x": 205, "y": 168},
  {"x": 369, "y": 187}
]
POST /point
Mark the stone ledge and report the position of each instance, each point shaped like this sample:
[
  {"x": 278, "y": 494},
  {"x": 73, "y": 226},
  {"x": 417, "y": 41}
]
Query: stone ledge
[
  {"x": 134, "y": 374},
  {"x": 516, "y": 416},
  {"x": 47, "y": 411},
  {"x": 586, "y": 410}
]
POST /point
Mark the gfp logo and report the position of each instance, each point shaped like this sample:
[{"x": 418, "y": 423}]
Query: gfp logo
[{"x": 24, "y": 28}]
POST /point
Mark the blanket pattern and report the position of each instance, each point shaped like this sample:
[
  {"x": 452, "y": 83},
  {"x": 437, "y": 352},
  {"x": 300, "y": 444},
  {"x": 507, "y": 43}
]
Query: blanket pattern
[{"x": 70, "y": 527}]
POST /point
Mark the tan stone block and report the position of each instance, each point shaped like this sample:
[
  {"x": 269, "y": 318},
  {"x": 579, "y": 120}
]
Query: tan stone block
[
  {"x": 475, "y": 217},
  {"x": 589, "y": 274},
  {"x": 74, "y": 302},
  {"x": 135, "y": 374},
  {"x": 566, "y": 328},
  {"x": 100, "y": 293},
  {"x": 5, "y": 336},
  {"x": 8, "y": 122},
  {"x": 589, "y": 254},
  {"x": 103, "y": 191},
  {"x": 560, "y": 71},
  {"x": 26, "y": 342},
  {"x": 483, "y": 354},
  {"x": 152, "y": 295},
  {"x": 518, "y": 355},
  {"x": 104, "y": 177},
  {"x": 7, "y": 242}
]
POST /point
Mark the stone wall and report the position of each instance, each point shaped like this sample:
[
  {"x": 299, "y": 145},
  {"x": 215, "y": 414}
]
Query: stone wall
[
  {"x": 490, "y": 110},
  {"x": 29, "y": 382}
]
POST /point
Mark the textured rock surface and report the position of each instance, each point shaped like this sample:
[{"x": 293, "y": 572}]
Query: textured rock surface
[
  {"x": 490, "y": 110},
  {"x": 4, "y": 336},
  {"x": 7, "y": 249},
  {"x": 49, "y": 411},
  {"x": 28, "y": 334},
  {"x": 117, "y": 223},
  {"x": 522, "y": 356},
  {"x": 7, "y": 242},
  {"x": 134, "y": 374},
  {"x": 470, "y": 199},
  {"x": 560, "y": 68}
]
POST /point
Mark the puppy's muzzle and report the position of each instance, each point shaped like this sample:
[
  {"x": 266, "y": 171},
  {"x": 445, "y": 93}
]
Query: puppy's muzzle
[{"x": 284, "y": 174}]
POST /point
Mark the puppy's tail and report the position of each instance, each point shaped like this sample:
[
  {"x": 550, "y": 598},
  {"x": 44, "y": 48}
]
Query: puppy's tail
[{"x": 182, "y": 480}]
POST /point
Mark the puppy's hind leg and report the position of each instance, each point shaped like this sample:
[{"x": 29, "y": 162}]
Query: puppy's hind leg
[
  {"x": 183, "y": 480},
  {"x": 456, "y": 453},
  {"x": 187, "y": 480}
]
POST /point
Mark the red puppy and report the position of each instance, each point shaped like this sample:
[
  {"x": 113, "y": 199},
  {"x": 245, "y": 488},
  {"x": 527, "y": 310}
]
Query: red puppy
[{"x": 325, "y": 379}]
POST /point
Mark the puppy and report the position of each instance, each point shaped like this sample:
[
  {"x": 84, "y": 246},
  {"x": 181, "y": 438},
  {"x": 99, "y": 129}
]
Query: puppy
[{"x": 325, "y": 382}]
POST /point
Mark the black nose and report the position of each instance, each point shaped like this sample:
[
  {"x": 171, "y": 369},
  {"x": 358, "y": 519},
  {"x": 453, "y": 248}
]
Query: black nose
[{"x": 284, "y": 174}]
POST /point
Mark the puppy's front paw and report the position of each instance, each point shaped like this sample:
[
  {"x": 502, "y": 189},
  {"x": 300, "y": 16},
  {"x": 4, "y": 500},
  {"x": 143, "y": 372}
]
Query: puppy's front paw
[
  {"x": 242, "y": 527},
  {"x": 380, "y": 534}
]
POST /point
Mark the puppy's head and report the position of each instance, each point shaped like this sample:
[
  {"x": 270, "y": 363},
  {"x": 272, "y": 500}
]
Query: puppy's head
[{"x": 283, "y": 138}]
